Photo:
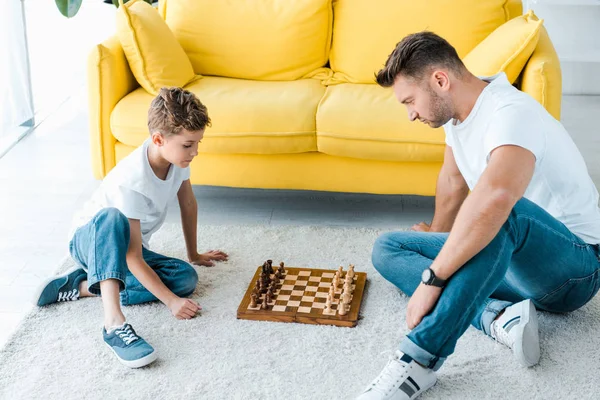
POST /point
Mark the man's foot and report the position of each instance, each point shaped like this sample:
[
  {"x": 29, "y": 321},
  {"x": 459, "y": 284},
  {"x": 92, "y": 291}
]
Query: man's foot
[
  {"x": 401, "y": 379},
  {"x": 130, "y": 349},
  {"x": 517, "y": 328},
  {"x": 60, "y": 288}
]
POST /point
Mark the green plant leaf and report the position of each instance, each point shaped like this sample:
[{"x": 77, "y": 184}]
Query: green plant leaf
[{"x": 68, "y": 8}]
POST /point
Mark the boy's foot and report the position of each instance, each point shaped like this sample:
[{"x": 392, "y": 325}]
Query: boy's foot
[
  {"x": 60, "y": 288},
  {"x": 401, "y": 379},
  {"x": 130, "y": 349},
  {"x": 517, "y": 328}
]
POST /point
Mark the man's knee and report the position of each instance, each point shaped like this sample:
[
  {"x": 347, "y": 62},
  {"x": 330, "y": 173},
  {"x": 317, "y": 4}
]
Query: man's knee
[{"x": 385, "y": 245}]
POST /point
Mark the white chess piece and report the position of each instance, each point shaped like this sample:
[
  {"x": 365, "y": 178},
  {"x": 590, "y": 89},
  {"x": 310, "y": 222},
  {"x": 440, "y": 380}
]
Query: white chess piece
[
  {"x": 342, "y": 308},
  {"x": 351, "y": 271},
  {"x": 346, "y": 296},
  {"x": 341, "y": 271},
  {"x": 328, "y": 305}
]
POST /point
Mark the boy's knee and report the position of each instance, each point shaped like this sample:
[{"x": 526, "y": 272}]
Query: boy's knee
[{"x": 188, "y": 280}]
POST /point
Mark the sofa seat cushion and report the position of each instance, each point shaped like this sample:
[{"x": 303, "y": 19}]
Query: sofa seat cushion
[
  {"x": 366, "y": 121},
  {"x": 248, "y": 117}
]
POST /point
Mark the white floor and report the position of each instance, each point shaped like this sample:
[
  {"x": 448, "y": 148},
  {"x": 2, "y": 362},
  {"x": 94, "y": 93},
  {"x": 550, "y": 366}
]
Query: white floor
[{"x": 47, "y": 176}]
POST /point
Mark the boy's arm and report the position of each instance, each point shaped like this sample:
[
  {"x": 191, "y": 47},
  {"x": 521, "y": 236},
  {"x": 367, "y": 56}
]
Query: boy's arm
[
  {"x": 180, "y": 307},
  {"x": 189, "y": 219}
]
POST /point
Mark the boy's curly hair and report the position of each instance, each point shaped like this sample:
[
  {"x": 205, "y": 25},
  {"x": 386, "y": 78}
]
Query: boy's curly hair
[{"x": 174, "y": 109}]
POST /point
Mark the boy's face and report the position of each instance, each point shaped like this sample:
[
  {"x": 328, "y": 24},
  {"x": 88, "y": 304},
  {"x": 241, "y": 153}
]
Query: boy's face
[{"x": 179, "y": 149}]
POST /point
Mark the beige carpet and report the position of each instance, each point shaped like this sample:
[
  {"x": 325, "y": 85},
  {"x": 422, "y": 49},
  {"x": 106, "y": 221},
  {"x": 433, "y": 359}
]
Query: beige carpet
[{"x": 58, "y": 353}]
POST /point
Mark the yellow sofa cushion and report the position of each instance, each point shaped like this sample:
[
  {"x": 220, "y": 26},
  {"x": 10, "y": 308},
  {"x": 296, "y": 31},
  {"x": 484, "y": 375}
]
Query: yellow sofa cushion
[
  {"x": 507, "y": 49},
  {"x": 364, "y": 34},
  {"x": 366, "y": 121},
  {"x": 249, "y": 117},
  {"x": 252, "y": 39},
  {"x": 154, "y": 55}
]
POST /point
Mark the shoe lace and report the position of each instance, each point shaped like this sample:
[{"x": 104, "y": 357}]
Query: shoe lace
[
  {"x": 501, "y": 335},
  {"x": 127, "y": 335},
  {"x": 389, "y": 378},
  {"x": 69, "y": 295}
]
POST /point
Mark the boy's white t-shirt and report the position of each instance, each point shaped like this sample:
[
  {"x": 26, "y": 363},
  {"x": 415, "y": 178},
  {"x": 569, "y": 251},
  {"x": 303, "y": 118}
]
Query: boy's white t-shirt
[
  {"x": 561, "y": 185},
  {"x": 133, "y": 188}
]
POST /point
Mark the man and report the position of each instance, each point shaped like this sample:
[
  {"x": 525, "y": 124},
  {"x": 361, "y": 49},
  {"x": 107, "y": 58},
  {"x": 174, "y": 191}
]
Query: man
[{"x": 526, "y": 236}]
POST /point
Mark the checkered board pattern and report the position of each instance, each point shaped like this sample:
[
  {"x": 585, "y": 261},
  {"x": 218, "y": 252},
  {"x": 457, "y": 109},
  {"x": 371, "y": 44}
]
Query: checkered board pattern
[{"x": 300, "y": 296}]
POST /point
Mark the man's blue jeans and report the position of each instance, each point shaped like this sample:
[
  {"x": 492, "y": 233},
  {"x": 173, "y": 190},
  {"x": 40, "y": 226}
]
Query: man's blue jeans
[
  {"x": 534, "y": 256},
  {"x": 100, "y": 248}
]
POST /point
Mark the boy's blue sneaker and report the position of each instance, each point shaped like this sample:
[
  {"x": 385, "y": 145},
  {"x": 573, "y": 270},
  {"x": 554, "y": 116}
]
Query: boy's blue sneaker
[
  {"x": 60, "y": 288},
  {"x": 130, "y": 349}
]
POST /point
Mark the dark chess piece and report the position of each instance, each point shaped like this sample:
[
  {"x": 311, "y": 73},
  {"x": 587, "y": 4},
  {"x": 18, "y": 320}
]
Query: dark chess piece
[
  {"x": 263, "y": 287},
  {"x": 270, "y": 266},
  {"x": 281, "y": 268},
  {"x": 275, "y": 279},
  {"x": 277, "y": 274},
  {"x": 268, "y": 297},
  {"x": 264, "y": 305},
  {"x": 257, "y": 285},
  {"x": 253, "y": 298}
]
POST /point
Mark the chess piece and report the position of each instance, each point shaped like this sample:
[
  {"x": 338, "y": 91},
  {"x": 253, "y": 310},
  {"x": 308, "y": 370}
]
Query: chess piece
[
  {"x": 253, "y": 300},
  {"x": 342, "y": 308},
  {"x": 351, "y": 271},
  {"x": 346, "y": 296},
  {"x": 341, "y": 271},
  {"x": 347, "y": 287},
  {"x": 264, "y": 305},
  {"x": 257, "y": 285},
  {"x": 270, "y": 266},
  {"x": 281, "y": 268},
  {"x": 268, "y": 297},
  {"x": 332, "y": 291},
  {"x": 328, "y": 305},
  {"x": 278, "y": 274},
  {"x": 348, "y": 279}
]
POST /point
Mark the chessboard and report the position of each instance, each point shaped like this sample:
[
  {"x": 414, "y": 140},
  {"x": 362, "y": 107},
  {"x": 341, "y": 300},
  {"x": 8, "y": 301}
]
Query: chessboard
[{"x": 304, "y": 295}]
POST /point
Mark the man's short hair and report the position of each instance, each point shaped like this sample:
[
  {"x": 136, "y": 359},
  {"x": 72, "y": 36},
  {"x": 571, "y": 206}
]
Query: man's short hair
[
  {"x": 417, "y": 54},
  {"x": 174, "y": 109}
]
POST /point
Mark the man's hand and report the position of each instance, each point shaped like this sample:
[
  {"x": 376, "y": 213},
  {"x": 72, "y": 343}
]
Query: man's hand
[
  {"x": 183, "y": 308},
  {"x": 207, "y": 258},
  {"x": 421, "y": 303},
  {"x": 420, "y": 227}
]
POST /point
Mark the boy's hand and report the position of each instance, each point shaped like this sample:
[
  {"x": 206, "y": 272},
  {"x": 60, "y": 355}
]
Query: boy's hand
[
  {"x": 183, "y": 308},
  {"x": 207, "y": 258}
]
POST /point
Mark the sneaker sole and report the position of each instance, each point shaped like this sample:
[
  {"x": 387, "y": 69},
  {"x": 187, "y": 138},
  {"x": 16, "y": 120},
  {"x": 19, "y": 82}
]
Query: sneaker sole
[
  {"x": 139, "y": 363},
  {"x": 527, "y": 350},
  {"x": 35, "y": 299}
]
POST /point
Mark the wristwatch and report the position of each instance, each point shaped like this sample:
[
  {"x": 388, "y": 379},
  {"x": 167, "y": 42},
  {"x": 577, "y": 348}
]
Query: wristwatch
[{"x": 428, "y": 278}]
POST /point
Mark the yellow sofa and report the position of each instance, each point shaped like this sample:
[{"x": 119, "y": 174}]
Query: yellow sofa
[{"x": 291, "y": 91}]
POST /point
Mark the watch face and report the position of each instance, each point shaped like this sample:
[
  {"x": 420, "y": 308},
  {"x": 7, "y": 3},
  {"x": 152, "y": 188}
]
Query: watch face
[{"x": 426, "y": 276}]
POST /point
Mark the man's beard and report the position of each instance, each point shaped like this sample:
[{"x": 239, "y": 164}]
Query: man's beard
[{"x": 441, "y": 110}]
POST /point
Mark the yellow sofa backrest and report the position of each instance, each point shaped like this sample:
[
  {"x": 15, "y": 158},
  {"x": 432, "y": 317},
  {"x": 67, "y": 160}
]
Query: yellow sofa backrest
[
  {"x": 252, "y": 39},
  {"x": 366, "y": 31}
]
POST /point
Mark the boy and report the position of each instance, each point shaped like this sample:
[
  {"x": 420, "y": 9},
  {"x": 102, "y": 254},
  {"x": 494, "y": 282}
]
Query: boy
[{"x": 111, "y": 235}]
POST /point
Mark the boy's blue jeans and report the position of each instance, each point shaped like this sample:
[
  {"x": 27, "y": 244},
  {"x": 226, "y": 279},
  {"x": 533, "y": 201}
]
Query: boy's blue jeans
[
  {"x": 100, "y": 248},
  {"x": 534, "y": 256}
]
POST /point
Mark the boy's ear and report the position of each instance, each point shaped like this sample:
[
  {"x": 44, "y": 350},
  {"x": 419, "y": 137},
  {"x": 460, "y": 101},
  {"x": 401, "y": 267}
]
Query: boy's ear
[{"x": 158, "y": 139}]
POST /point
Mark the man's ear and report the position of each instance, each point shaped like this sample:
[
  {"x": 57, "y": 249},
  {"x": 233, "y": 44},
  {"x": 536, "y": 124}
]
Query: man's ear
[
  {"x": 158, "y": 139},
  {"x": 441, "y": 80}
]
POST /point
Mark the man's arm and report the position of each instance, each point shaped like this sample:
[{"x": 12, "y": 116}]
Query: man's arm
[
  {"x": 181, "y": 308},
  {"x": 483, "y": 213},
  {"x": 479, "y": 220},
  {"x": 450, "y": 193}
]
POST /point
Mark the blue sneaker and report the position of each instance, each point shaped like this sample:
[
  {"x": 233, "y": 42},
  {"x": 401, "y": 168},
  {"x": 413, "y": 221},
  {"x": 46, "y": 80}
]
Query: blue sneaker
[
  {"x": 60, "y": 288},
  {"x": 130, "y": 349}
]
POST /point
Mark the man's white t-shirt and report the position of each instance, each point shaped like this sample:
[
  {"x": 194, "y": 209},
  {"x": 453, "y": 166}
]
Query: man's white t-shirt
[
  {"x": 133, "y": 188},
  {"x": 560, "y": 185}
]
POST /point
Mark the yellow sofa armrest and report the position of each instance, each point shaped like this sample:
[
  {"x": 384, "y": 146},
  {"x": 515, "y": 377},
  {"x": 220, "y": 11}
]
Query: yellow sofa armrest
[
  {"x": 541, "y": 78},
  {"x": 109, "y": 80}
]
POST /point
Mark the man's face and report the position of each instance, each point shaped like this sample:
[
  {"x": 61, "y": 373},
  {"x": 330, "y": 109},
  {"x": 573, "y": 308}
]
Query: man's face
[
  {"x": 180, "y": 149},
  {"x": 426, "y": 100}
]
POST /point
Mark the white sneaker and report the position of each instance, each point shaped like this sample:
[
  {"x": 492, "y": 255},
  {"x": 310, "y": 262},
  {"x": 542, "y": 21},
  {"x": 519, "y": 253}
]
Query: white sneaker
[
  {"x": 401, "y": 379},
  {"x": 517, "y": 328}
]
